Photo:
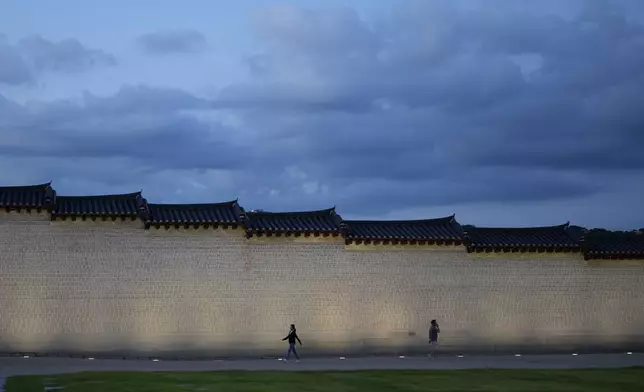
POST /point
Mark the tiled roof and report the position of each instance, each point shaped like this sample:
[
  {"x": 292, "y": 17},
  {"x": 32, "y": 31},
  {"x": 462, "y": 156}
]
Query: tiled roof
[
  {"x": 441, "y": 230},
  {"x": 609, "y": 244},
  {"x": 30, "y": 196},
  {"x": 305, "y": 222},
  {"x": 130, "y": 205},
  {"x": 549, "y": 237},
  {"x": 227, "y": 213}
]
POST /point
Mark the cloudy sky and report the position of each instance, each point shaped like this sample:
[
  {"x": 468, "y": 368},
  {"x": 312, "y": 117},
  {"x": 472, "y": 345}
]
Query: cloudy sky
[{"x": 503, "y": 112}]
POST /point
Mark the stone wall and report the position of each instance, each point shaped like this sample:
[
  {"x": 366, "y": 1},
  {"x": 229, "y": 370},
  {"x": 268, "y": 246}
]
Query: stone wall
[{"x": 99, "y": 287}]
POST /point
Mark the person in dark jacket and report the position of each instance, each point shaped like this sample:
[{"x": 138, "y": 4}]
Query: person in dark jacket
[
  {"x": 292, "y": 337},
  {"x": 434, "y": 330}
]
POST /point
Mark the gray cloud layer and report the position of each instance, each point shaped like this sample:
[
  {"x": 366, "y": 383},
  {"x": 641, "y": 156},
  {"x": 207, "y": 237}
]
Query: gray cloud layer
[
  {"x": 173, "y": 41},
  {"x": 436, "y": 105},
  {"x": 22, "y": 61}
]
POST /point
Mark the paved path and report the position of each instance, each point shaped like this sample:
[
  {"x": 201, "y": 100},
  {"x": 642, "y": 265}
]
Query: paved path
[{"x": 19, "y": 366}]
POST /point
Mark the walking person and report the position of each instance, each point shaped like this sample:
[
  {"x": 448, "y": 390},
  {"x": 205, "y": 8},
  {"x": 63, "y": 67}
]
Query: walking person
[
  {"x": 292, "y": 337},
  {"x": 434, "y": 330}
]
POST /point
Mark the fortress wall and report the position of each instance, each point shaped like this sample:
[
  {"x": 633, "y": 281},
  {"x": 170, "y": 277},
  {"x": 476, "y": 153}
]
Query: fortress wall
[{"x": 95, "y": 287}]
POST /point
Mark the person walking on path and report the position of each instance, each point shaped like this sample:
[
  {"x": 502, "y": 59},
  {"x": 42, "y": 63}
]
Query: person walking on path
[
  {"x": 434, "y": 330},
  {"x": 292, "y": 337}
]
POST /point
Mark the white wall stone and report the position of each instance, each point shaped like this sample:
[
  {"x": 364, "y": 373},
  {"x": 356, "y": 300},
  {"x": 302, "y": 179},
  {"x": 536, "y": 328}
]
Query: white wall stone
[{"x": 108, "y": 286}]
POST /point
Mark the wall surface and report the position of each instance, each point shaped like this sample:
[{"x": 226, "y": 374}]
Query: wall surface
[{"x": 100, "y": 287}]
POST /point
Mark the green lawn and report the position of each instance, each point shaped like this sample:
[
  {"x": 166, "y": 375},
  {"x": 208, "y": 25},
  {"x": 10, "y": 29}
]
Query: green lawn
[{"x": 372, "y": 381}]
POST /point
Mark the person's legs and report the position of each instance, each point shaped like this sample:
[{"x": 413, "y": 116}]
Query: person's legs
[
  {"x": 288, "y": 353},
  {"x": 291, "y": 349},
  {"x": 432, "y": 349}
]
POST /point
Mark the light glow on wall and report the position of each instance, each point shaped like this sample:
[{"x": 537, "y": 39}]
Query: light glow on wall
[{"x": 98, "y": 286}]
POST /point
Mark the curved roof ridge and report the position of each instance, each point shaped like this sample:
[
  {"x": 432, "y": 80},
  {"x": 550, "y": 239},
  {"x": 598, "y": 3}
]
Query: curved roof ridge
[
  {"x": 285, "y": 213},
  {"x": 402, "y": 221},
  {"x": 591, "y": 233},
  {"x": 562, "y": 226},
  {"x": 43, "y": 185},
  {"x": 231, "y": 202},
  {"x": 98, "y": 196}
]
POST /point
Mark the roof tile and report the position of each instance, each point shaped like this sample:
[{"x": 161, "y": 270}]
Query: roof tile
[
  {"x": 195, "y": 214},
  {"x": 549, "y": 237},
  {"x": 623, "y": 245},
  {"x": 441, "y": 229},
  {"x": 125, "y": 205},
  {"x": 30, "y": 196},
  {"x": 322, "y": 221}
]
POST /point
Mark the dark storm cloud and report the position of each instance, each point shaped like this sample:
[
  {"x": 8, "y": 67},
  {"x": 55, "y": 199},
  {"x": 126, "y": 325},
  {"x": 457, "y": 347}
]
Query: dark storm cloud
[
  {"x": 482, "y": 186},
  {"x": 20, "y": 62},
  {"x": 172, "y": 41},
  {"x": 437, "y": 104},
  {"x": 374, "y": 197},
  {"x": 68, "y": 55},
  {"x": 149, "y": 125},
  {"x": 439, "y": 91}
]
